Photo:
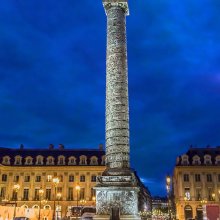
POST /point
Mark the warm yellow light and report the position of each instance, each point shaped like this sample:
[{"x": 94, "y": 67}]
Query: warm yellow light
[
  {"x": 41, "y": 191},
  {"x": 59, "y": 195},
  {"x": 93, "y": 198},
  {"x": 16, "y": 187},
  {"x": 213, "y": 195},
  {"x": 168, "y": 179},
  {"x": 77, "y": 187},
  {"x": 56, "y": 180}
]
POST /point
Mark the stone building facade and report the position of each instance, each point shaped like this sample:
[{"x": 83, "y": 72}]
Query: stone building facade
[
  {"x": 196, "y": 184},
  {"x": 34, "y": 170}
]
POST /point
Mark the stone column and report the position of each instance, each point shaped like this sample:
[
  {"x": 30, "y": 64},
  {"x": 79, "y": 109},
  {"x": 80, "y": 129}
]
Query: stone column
[
  {"x": 117, "y": 113},
  {"x": 117, "y": 188}
]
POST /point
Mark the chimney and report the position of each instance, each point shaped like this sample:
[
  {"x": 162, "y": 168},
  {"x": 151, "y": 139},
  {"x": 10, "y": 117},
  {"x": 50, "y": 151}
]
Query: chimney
[
  {"x": 61, "y": 146},
  {"x": 21, "y": 146},
  {"x": 51, "y": 147},
  {"x": 101, "y": 147}
]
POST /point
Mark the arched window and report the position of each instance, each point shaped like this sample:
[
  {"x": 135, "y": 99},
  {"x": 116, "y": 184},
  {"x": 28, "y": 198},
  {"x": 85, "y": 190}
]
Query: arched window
[
  {"x": 6, "y": 160},
  {"x": 207, "y": 159},
  {"x": 93, "y": 160},
  {"x": 188, "y": 212},
  {"x": 24, "y": 206},
  {"x": 61, "y": 160},
  {"x": 18, "y": 160},
  {"x": 39, "y": 160},
  {"x": 72, "y": 161},
  {"x": 185, "y": 160},
  {"x": 47, "y": 207},
  {"x": 35, "y": 207},
  {"x": 83, "y": 160},
  {"x": 28, "y": 160},
  {"x": 50, "y": 160},
  {"x": 199, "y": 212},
  {"x": 196, "y": 160}
]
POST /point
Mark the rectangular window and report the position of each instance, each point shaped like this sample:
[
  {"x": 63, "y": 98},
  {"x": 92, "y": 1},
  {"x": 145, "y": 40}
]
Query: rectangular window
[
  {"x": 59, "y": 189},
  {"x": 2, "y": 192},
  {"x": 197, "y": 178},
  {"x": 14, "y": 195},
  {"x": 36, "y": 194},
  {"x": 198, "y": 194},
  {"x": 82, "y": 178},
  {"x": 82, "y": 193},
  {"x": 37, "y": 178},
  {"x": 27, "y": 179},
  {"x": 70, "y": 193},
  {"x": 4, "y": 177},
  {"x": 16, "y": 179},
  {"x": 93, "y": 178},
  {"x": 49, "y": 178},
  {"x": 26, "y": 194},
  {"x": 209, "y": 178},
  {"x": 186, "y": 177},
  {"x": 187, "y": 194},
  {"x": 48, "y": 194},
  {"x": 71, "y": 178}
]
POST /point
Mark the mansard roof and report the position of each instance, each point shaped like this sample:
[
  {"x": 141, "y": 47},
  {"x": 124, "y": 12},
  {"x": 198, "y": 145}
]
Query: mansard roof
[
  {"x": 53, "y": 152},
  {"x": 201, "y": 153}
]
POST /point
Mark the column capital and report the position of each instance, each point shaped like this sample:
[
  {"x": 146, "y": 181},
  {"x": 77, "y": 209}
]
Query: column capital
[{"x": 116, "y": 3}]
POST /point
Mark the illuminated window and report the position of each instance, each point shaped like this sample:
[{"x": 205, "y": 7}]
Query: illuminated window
[
  {"x": 18, "y": 160},
  {"x": 187, "y": 193}
]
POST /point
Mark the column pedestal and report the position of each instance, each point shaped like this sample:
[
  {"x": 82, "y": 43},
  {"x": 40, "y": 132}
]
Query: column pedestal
[{"x": 117, "y": 191}]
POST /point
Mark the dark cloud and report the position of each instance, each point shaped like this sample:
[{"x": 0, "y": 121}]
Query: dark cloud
[{"x": 52, "y": 77}]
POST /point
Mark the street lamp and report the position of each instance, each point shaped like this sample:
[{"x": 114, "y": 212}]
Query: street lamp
[
  {"x": 213, "y": 196},
  {"x": 168, "y": 183},
  {"x": 56, "y": 181},
  {"x": 16, "y": 187},
  {"x": 41, "y": 192},
  {"x": 77, "y": 199},
  {"x": 58, "y": 206}
]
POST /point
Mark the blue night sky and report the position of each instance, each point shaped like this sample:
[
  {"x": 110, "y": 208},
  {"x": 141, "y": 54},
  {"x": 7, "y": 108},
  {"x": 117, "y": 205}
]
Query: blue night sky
[{"x": 52, "y": 78}]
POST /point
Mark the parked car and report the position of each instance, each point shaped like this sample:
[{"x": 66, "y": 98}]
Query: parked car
[
  {"x": 20, "y": 218},
  {"x": 88, "y": 213}
]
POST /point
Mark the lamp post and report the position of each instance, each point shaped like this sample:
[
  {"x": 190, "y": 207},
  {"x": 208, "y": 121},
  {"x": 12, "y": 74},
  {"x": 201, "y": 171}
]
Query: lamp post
[
  {"x": 41, "y": 192},
  {"x": 56, "y": 181},
  {"x": 58, "y": 206},
  {"x": 16, "y": 187},
  {"x": 77, "y": 199},
  {"x": 168, "y": 183},
  {"x": 213, "y": 196}
]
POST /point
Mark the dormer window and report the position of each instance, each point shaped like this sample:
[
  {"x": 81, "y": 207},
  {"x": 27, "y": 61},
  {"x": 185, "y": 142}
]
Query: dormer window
[
  {"x": 18, "y": 160},
  {"x": 72, "y": 161},
  {"x": 207, "y": 160},
  {"x": 217, "y": 160},
  {"x": 50, "y": 161},
  {"x": 185, "y": 160},
  {"x": 94, "y": 160},
  {"x": 6, "y": 160},
  {"x": 28, "y": 161},
  {"x": 39, "y": 160},
  {"x": 103, "y": 160},
  {"x": 61, "y": 160},
  {"x": 83, "y": 160},
  {"x": 196, "y": 160}
]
